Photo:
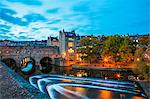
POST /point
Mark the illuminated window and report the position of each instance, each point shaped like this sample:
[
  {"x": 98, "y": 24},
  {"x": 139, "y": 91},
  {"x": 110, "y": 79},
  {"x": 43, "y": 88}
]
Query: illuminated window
[
  {"x": 70, "y": 38},
  {"x": 70, "y": 44},
  {"x": 64, "y": 53},
  {"x": 71, "y": 50}
]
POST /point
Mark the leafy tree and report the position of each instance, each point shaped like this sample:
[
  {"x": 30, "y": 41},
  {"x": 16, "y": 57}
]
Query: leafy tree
[
  {"x": 144, "y": 40},
  {"x": 110, "y": 46},
  {"x": 90, "y": 49},
  {"x": 143, "y": 63},
  {"x": 126, "y": 49},
  {"x": 118, "y": 48}
]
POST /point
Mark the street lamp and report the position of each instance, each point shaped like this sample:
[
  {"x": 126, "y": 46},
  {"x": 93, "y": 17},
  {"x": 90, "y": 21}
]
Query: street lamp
[
  {"x": 105, "y": 59},
  {"x": 118, "y": 75},
  {"x": 138, "y": 59}
]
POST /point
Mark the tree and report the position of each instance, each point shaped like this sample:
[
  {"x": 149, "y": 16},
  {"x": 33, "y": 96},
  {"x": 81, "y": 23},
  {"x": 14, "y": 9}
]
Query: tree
[
  {"x": 144, "y": 40},
  {"x": 142, "y": 60},
  {"x": 90, "y": 49},
  {"x": 118, "y": 48},
  {"x": 126, "y": 49}
]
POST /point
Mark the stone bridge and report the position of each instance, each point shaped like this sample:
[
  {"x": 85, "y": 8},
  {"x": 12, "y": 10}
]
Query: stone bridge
[{"x": 37, "y": 53}]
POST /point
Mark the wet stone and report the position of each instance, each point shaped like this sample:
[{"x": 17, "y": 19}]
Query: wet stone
[{"x": 9, "y": 88}]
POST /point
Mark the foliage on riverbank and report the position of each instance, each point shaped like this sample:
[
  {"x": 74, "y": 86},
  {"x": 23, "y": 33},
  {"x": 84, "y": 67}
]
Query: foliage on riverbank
[{"x": 143, "y": 63}]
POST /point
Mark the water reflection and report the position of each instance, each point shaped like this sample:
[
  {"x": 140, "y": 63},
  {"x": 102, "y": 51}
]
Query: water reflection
[
  {"x": 137, "y": 97},
  {"x": 92, "y": 93},
  {"x": 104, "y": 94},
  {"x": 80, "y": 90}
]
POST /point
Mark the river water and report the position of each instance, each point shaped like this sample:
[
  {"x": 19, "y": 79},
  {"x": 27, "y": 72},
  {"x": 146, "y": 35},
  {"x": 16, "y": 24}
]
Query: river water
[
  {"x": 65, "y": 87},
  {"x": 90, "y": 93}
]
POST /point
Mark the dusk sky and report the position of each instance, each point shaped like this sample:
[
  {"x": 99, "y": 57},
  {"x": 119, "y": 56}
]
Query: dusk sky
[{"x": 38, "y": 19}]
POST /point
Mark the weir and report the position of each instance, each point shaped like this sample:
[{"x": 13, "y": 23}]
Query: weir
[{"x": 65, "y": 86}]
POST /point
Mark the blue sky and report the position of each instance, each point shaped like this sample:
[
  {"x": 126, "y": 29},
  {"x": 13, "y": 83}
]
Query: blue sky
[{"x": 38, "y": 19}]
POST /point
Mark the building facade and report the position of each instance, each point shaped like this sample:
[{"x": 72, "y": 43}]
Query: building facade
[
  {"x": 52, "y": 41},
  {"x": 67, "y": 43}
]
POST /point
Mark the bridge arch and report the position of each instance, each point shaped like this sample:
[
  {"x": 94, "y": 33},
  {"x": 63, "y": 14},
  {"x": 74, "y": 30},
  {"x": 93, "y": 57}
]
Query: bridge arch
[
  {"x": 27, "y": 65},
  {"x": 46, "y": 64}
]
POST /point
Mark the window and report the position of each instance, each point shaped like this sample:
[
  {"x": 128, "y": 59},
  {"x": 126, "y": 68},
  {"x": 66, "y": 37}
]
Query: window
[
  {"x": 70, "y": 38},
  {"x": 70, "y": 50},
  {"x": 70, "y": 44}
]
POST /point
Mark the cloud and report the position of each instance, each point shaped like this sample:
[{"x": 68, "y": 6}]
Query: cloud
[
  {"x": 70, "y": 16},
  {"x": 7, "y": 11},
  {"x": 11, "y": 34},
  {"x": 20, "y": 33},
  {"x": 2, "y": 37},
  {"x": 34, "y": 29},
  {"x": 34, "y": 17},
  {"x": 81, "y": 7},
  {"x": 4, "y": 26},
  {"x": 3, "y": 31},
  {"x": 27, "y": 2},
  {"x": 24, "y": 37},
  {"x": 53, "y": 11},
  {"x": 7, "y": 15},
  {"x": 54, "y": 28},
  {"x": 37, "y": 19},
  {"x": 2, "y": 5},
  {"x": 54, "y": 21}
]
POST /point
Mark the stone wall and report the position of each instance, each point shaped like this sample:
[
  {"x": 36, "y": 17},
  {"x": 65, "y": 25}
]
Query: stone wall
[{"x": 18, "y": 53}]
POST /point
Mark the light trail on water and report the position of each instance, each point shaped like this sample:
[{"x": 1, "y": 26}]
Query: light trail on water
[{"x": 51, "y": 84}]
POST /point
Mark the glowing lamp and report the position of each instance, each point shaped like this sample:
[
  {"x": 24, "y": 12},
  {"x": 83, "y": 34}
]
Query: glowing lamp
[
  {"x": 105, "y": 60},
  {"x": 138, "y": 59},
  {"x": 79, "y": 75},
  {"x": 118, "y": 75}
]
